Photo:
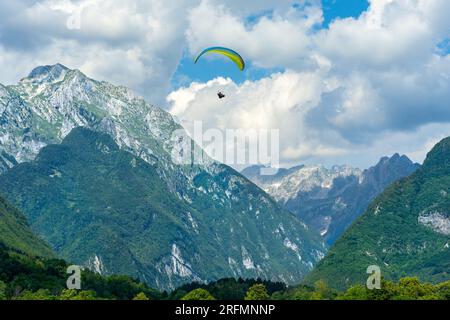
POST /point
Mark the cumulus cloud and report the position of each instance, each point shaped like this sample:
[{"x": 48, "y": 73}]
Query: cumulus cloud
[
  {"x": 281, "y": 40},
  {"x": 135, "y": 43},
  {"x": 362, "y": 86},
  {"x": 391, "y": 34},
  {"x": 282, "y": 101}
]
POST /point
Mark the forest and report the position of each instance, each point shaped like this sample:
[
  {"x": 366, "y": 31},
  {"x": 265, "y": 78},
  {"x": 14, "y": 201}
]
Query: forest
[{"x": 25, "y": 277}]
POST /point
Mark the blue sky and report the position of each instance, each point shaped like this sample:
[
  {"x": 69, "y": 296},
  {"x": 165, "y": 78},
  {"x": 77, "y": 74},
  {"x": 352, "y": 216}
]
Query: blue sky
[
  {"x": 333, "y": 9},
  {"x": 210, "y": 68}
]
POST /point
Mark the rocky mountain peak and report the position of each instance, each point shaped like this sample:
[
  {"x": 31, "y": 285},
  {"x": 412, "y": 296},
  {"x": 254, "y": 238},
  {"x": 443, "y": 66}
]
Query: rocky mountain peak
[
  {"x": 395, "y": 159},
  {"x": 48, "y": 73},
  {"x": 388, "y": 169}
]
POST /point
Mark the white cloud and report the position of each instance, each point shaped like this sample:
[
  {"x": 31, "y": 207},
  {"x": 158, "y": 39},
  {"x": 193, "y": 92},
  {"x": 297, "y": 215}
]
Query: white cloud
[
  {"x": 254, "y": 8},
  {"x": 135, "y": 43},
  {"x": 389, "y": 35},
  {"x": 363, "y": 86},
  {"x": 281, "y": 40},
  {"x": 282, "y": 101}
]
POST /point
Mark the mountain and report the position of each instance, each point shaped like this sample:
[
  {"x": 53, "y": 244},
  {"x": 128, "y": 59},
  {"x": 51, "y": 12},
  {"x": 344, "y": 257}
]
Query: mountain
[
  {"x": 16, "y": 234},
  {"x": 253, "y": 173},
  {"x": 120, "y": 198},
  {"x": 405, "y": 231},
  {"x": 329, "y": 200}
]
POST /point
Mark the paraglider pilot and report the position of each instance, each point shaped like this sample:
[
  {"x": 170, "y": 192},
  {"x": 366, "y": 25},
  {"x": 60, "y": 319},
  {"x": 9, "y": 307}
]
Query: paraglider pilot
[{"x": 231, "y": 54}]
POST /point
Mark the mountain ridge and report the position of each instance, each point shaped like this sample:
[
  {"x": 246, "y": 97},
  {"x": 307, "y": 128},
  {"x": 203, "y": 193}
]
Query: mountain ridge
[
  {"x": 39, "y": 115},
  {"x": 330, "y": 199}
]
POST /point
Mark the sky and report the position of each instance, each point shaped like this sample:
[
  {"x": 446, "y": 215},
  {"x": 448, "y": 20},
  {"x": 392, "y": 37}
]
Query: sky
[{"x": 345, "y": 81}]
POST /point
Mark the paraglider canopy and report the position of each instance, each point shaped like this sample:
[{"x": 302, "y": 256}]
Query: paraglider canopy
[{"x": 231, "y": 54}]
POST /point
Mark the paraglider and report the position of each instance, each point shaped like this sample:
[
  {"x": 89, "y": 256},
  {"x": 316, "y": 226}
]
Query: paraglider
[{"x": 231, "y": 54}]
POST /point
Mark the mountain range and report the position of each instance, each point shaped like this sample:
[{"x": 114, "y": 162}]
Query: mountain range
[
  {"x": 112, "y": 195},
  {"x": 405, "y": 231},
  {"x": 99, "y": 179},
  {"x": 329, "y": 200}
]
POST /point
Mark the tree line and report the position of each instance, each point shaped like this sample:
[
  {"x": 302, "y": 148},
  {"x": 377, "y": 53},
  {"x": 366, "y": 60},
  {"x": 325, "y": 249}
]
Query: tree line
[{"x": 24, "y": 277}]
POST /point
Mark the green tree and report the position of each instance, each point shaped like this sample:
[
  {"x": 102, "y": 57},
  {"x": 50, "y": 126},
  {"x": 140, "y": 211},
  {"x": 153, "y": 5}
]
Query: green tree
[
  {"x": 141, "y": 296},
  {"x": 322, "y": 291},
  {"x": 301, "y": 294},
  {"x": 198, "y": 294},
  {"x": 358, "y": 292},
  {"x": 443, "y": 290},
  {"x": 388, "y": 291},
  {"x": 71, "y": 294},
  {"x": 2, "y": 290},
  {"x": 410, "y": 288},
  {"x": 257, "y": 292},
  {"x": 41, "y": 294}
]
